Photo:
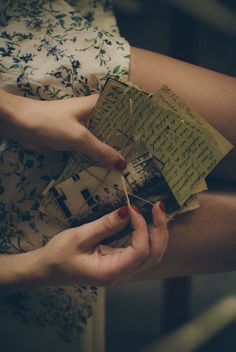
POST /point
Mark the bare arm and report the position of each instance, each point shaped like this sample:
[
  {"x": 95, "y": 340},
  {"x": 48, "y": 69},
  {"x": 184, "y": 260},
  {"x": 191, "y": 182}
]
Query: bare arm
[
  {"x": 41, "y": 124},
  {"x": 20, "y": 271},
  {"x": 75, "y": 256}
]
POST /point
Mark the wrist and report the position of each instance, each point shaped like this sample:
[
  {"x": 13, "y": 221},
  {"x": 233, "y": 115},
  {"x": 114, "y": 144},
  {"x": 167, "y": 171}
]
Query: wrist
[
  {"x": 7, "y": 112},
  {"x": 13, "y": 115},
  {"x": 32, "y": 271},
  {"x": 24, "y": 271}
]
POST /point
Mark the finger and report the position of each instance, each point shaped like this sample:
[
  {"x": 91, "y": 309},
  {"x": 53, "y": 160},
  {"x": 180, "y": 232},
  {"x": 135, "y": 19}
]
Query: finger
[
  {"x": 140, "y": 236},
  {"x": 84, "y": 108},
  {"x": 101, "y": 152},
  {"x": 93, "y": 233},
  {"x": 129, "y": 260},
  {"x": 158, "y": 233},
  {"x": 147, "y": 248},
  {"x": 124, "y": 263}
]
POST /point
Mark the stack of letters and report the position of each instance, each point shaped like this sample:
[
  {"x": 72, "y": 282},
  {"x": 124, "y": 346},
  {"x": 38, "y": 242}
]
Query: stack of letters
[{"x": 170, "y": 149}]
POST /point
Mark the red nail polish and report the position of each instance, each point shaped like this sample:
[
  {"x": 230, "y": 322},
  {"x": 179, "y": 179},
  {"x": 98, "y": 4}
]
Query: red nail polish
[
  {"x": 162, "y": 207},
  {"x": 123, "y": 212},
  {"x": 120, "y": 164},
  {"x": 136, "y": 208}
]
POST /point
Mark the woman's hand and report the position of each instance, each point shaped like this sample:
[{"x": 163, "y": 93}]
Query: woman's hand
[
  {"x": 57, "y": 125},
  {"x": 75, "y": 256}
]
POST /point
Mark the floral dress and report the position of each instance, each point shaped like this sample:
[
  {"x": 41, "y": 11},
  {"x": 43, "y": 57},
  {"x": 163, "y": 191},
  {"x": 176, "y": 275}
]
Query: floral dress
[{"x": 48, "y": 50}]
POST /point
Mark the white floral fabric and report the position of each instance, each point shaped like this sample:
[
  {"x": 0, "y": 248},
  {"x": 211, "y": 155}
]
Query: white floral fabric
[{"x": 49, "y": 50}]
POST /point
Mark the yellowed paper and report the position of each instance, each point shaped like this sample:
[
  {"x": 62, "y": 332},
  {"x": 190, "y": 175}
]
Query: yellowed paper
[
  {"x": 186, "y": 145},
  {"x": 117, "y": 109},
  {"x": 186, "y": 155},
  {"x": 168, "y": 99}
]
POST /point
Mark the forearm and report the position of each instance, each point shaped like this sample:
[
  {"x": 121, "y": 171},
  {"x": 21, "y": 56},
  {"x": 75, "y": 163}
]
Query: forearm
[
  {"x": 23, "y": 271},
  {"x": 7, "y": 113},
  {"x": 13, "y": 119}
]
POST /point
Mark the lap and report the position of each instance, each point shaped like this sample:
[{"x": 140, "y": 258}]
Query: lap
[{"x": 202, "y": 241}]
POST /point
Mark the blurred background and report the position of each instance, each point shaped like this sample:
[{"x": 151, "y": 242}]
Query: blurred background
[{"x": 202, "y": 32}]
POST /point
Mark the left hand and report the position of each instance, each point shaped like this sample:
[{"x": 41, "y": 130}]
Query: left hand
[{"x": 75, "y": 256}]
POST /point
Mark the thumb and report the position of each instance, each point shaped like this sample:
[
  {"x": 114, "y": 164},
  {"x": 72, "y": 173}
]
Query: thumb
[
  {"x": 93, "y": 233},
  {"x": 86, "y": 106},
  {"x": 104, "y": 154}
]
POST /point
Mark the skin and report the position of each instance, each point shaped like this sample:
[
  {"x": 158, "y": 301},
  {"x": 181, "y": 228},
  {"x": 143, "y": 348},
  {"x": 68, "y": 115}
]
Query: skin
[
  {"x": 200, "y": 242},
  {"x": 74, "y": 256},
  {"x": 47, "y": 129}
]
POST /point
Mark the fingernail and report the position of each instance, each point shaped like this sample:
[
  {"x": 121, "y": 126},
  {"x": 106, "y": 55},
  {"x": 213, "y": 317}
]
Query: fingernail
[
  {"x": 123, "y": 212},
  {"x": 162, "y": 207},
  {"x": 120, "y": 164},
  {"x": 136, "y": 208}
]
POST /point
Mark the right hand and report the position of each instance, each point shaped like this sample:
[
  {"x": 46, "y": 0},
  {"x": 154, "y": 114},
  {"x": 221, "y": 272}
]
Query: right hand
[
  {"x": 75, "y": 256},
  {"x": 57, "y": 125}
]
